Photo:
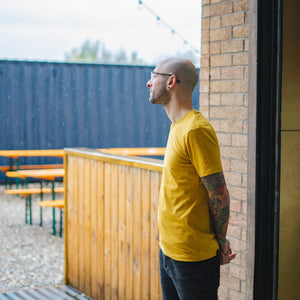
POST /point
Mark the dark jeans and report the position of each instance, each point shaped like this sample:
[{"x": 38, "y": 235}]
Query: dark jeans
[{"x": 189, "y": 280}]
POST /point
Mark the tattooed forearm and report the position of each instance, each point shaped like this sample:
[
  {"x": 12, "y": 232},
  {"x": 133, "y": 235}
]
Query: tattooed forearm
[{"x": 218, "y": 204}]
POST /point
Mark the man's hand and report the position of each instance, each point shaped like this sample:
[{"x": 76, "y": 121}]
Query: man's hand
[{"x": 226, "y": 253}]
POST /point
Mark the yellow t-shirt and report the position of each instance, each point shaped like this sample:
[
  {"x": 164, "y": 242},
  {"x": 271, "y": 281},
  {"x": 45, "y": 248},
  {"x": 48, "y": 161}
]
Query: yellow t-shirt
[{"x": 184, "y": 222}]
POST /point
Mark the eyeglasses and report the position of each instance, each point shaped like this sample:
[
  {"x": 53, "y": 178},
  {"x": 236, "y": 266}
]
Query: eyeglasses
[{"x": 153, "y": 74}]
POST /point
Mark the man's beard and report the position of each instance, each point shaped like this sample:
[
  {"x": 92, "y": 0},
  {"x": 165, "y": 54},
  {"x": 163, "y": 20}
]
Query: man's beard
[{"x": 160, "y": 97}]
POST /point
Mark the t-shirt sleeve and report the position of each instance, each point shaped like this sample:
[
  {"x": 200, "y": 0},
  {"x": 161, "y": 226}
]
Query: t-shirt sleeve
[{"x": 204, "y": 151}]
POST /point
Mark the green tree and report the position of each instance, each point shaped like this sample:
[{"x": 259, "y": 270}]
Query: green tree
[
  {"x": 121, "y": 57},
  {"x": 88, "y": 52},
  {"x": 135, "y": 60},
  {"x": 96, "y": 52}
]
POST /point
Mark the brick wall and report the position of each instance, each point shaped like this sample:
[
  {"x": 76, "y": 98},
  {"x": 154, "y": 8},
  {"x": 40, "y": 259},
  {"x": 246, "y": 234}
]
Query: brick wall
[{"x": 224, "y": 101}]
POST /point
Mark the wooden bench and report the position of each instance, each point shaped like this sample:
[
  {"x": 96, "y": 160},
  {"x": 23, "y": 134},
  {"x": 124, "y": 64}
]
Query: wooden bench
[
  {"x": 55, "y": 204},
  {"x": 27, "y": 194},
  {"x": 6, "y": 169},
  {"x": 14, "y": 174},
  {"x": 31, "y": 167}
]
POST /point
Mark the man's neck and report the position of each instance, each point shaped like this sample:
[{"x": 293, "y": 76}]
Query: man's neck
[{"x": 175, "y": 111}]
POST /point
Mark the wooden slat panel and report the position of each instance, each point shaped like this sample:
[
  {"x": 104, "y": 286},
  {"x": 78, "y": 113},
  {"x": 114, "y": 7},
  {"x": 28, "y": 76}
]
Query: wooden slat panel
[
  {"x": 81, "y": 231},
  {"x": 114, "y": 242},
  {"x": 154, "y": 263},
  {"x": 135, "y": 151},
  {"x": 145, "y": 234},
  {"x": 72, "y": 277},
  {"x": 95, "y": 237},
  {"x": 87, "y": 225},
  {"x": 129, "y": 233},
  {"x": 122, "y": 232},
  {"x": 137, "y": 233},
  {"x": 100, "y": 229},
  {"x": 114, "y": 228},
  {"x": 158, "y": 279},
  {"x": 138, "y": 162},
  {"x": 107, "y": 232}
]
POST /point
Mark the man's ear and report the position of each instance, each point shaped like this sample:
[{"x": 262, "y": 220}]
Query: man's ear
[{"x": 171, "y": 82}]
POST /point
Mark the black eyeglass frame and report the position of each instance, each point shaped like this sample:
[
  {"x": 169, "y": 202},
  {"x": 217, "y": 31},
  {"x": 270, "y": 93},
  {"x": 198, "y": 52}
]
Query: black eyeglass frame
[{"x": 164, "y": 74}]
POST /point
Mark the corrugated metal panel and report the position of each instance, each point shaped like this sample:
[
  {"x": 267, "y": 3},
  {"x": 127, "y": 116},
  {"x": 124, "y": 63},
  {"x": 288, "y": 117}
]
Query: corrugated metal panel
[
  {"x": 55, "y": 105},
  {"x": 52, "y": 293}
]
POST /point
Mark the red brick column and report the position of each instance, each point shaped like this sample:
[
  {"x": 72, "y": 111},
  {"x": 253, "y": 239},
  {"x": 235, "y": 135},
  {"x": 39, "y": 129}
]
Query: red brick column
[{"x": 224, "y": 101}]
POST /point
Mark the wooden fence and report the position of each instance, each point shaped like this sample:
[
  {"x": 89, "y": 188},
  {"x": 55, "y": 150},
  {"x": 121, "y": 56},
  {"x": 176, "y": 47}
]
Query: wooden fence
[{"x": 111, "y": 235}]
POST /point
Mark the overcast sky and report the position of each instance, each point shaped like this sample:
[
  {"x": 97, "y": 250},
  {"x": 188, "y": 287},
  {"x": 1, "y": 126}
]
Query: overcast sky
[{"x": 45, "y": 30}]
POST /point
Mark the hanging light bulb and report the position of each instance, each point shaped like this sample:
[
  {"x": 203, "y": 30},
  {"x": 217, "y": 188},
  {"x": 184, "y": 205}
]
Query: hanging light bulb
[{"x": 140, "y": 5}]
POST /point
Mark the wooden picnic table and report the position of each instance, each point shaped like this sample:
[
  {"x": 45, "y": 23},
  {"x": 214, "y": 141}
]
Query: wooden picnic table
[
  {"x": 14, "y": 156},
  {"x": 29, "y": 153},
  {"x": 45, "y": 174}
]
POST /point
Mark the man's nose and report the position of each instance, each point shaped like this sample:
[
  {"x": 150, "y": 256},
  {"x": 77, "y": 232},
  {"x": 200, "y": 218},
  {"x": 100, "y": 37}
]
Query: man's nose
[{"x": 149, "y": 83}]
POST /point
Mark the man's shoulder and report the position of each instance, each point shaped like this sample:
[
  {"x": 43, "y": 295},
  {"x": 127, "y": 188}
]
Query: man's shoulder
[
  {"x": 195, "y": 125},
  {"x": 199, "y": 124}
]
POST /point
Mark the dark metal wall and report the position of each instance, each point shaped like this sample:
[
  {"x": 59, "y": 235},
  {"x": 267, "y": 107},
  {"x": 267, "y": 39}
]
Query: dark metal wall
[
  {"x": 55, "y": 105},
  {"x": 268, "y": 146}
]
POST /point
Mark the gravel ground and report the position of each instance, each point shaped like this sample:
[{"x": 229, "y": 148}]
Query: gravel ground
[{"x": 30, "y": 256}]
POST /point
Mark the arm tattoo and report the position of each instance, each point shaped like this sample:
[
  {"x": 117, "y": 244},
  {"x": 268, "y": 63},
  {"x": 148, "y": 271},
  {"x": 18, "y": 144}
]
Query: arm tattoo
[{"x": 218, "y": 204}]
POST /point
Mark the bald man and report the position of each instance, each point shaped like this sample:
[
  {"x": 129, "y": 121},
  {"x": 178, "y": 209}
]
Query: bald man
[{"x": 193, "y": 207}]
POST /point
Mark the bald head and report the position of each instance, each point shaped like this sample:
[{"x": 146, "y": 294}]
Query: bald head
[{"x": 184, "y": 70}]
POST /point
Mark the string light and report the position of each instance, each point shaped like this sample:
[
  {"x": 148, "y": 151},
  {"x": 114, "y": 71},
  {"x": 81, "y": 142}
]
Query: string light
[{"x": 159, "y": 19}]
